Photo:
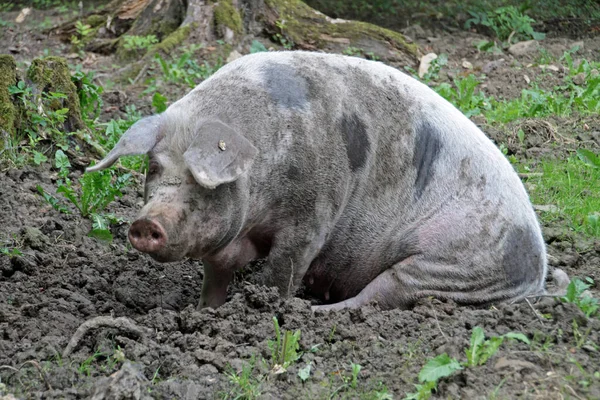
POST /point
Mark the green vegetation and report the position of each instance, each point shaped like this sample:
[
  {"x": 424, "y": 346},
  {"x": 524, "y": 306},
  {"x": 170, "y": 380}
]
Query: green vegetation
[
  {"x": 507, "y": 23},
  {"x": 83, "y": 32},
  {"x": 566, "y": 185},
  {"x": 185, "y": 69},
  {"x": 578, "y": 294},
  {"x": 284, "y": 349},
  {"x": 93, "y": 194},
  {"x": 479, "y": 352},
  {"x": 133, "y": 42}
]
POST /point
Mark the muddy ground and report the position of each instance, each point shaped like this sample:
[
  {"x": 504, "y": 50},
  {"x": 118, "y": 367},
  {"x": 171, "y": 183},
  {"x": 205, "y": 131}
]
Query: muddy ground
[{"x": 65, "y": 278}]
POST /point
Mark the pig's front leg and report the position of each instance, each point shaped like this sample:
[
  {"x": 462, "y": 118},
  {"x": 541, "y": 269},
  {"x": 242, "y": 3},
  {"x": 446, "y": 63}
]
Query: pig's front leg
[
  {"x": 290, "y": 256},
  {"x": 219, "y": 269}
]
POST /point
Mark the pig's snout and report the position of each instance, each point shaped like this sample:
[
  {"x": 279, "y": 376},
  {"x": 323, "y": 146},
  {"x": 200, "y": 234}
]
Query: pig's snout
[{"x": 147, "y": 235}]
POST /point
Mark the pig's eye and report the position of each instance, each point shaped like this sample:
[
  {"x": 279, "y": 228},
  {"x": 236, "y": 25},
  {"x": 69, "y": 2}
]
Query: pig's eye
[{"x": 153, "y": 168}]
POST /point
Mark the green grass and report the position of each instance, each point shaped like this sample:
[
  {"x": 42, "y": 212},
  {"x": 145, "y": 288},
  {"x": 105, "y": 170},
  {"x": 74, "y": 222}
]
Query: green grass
[{"x": 570, "y": 185}]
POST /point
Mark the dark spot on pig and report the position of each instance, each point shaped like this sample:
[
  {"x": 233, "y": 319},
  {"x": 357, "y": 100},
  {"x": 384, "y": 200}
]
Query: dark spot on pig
[
  {"x": 521, "y": 256},
  {"x": 293, "y": 173},
  {"x": 354, "y": 133},
  {"x": 285, "y": 86},
  {"x": 427, "y": 150}
]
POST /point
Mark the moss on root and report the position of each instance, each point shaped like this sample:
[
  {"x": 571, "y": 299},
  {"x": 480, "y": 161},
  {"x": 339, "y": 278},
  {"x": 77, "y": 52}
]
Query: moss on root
[
  {"x": 225, "y": 14},
  {"x": 308, "y": 28},
  {"x": 171, "y": 41},
  {"x": 52, "y": 74},
  {"x": 8, "y": 112}
]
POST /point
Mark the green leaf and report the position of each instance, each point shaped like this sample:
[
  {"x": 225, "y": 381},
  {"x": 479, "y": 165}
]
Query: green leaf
[
  {"x": 257, "y": 47},
  {"x": 589, "y": 157},
  {"x": 159, "y": 102},
  {"x": 477, "y": 338},
  {"x": 517, "y": 336},
  {"x": 489, "y": 348},
  {"x": 39, "y": 158},
  {"x": 61, "y": 161},
  {"x": 438, "y": 367},
  {"x": 304, "y": 373},
  {"x": 102, "y": 234}
]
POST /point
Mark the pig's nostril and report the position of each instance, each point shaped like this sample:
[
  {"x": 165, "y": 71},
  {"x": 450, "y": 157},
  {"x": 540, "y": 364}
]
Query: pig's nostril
[
  {"x": 135, "y": 234},
  {"x": 147, "y": 235},
  {"x": 156, "y": 235}
]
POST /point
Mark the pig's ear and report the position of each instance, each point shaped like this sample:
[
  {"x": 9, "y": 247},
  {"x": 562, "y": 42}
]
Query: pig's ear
[
  {"x": 218, "y": 155},
  {"x": 139, "y": 139}
]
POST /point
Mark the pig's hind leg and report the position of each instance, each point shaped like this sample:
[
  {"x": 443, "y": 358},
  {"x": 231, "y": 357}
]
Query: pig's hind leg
[{"x": 414, "y": 278}]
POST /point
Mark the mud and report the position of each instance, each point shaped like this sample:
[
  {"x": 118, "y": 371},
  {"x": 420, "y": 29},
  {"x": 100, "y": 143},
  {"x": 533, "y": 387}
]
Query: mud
[{"x": 65, "y": 278}]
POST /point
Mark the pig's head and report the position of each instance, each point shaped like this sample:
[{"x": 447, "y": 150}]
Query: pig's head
[{"x": 192, "y": 193}]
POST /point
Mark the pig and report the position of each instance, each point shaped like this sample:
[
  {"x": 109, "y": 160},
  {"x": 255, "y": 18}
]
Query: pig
[{"x": 350, "y": 177}]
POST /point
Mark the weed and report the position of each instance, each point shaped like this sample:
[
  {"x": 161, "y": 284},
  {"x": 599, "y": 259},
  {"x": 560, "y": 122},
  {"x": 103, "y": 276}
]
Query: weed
[
  {"x": 245, "y": 385},
  {"x": 281, "y": 38},
  {"x": 578, "y": 294},
  {"x": 185, "y": 69},
  {"x": 507, "y": 24},
  {"x": 257, "y": 47},
  {"x": 463, "y": 95},
  {"x": 284, "y": 349},
  {"x": 304, "y": 373},
  {"x": 479, "y": 351},
  {"x": 159, "y": 102},
  {"x": 97, "y": 191},
  {"x": 83, "y": 31},
  {"x": 89, "y": 94},
  {"x": 353, "y": 51},
  {"x": 14, "y": 252},
  {"x": 133, "y": 42}
]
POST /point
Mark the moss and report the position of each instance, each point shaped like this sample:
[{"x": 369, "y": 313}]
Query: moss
[
  {"x": 225, "y": 14},
  {"x": 96, "y": 20},
  {"x": 301, "y": 24},
  {"x": 52, "y": 74},
  {"x": 8, "y": 112},
  {"x": 171, "y": 41}
]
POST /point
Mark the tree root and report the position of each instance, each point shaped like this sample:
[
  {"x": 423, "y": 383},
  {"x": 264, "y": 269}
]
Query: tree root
[{"x": 122, "y": 323}]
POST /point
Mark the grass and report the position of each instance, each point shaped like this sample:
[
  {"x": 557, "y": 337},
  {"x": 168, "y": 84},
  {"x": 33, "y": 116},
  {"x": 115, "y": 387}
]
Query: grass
[{"x": 567, "y": 184}]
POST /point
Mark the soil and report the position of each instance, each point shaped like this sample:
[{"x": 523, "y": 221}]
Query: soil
[{"x": 171, "y": 350}]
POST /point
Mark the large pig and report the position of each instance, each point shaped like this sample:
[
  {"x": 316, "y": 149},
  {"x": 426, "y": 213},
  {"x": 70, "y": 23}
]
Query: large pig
[{"x": 348, "y": 175}]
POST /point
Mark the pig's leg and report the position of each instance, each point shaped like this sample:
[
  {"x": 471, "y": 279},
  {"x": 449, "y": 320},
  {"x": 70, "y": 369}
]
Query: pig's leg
[
  {"x": 417, "y": 277},
  {"x": 219, "y": 269},
  {"x": 214, "y": 286},
  {"x": 290, "y": 256}
]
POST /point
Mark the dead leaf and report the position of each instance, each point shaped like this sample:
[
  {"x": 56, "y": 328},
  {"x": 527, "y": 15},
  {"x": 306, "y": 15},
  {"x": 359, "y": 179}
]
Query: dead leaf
[{"x": 22, "y": 15}]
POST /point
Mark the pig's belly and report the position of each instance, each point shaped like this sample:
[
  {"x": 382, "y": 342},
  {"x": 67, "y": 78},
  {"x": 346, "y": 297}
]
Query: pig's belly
[{"x": 334, "y": 280}]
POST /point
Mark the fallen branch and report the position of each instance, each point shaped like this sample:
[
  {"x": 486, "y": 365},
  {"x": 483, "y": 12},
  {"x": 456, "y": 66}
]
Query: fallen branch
[{"x": 122, "y": 323}]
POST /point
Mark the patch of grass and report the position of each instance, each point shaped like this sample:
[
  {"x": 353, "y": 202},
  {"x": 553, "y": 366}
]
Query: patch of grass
[
  {"x": 246, "y": 384},
  {"x": 567, "y": 184}
]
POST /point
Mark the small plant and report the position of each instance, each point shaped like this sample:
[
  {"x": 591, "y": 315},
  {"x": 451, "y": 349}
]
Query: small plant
[
  {"x": 97, "y": 191},
  {"x": 245, "y": 385},
  {"x": 83, "y": 31},
  {"x": 281, "y": 38},
  {"x": 577, "y": 293},
  {"x": 185, "y": 69},
  {"x": 507, "y": 24},
  {"x": 133, "y": 42},
  {"x": 353, "y": 51},
  {"x": 257, "y": 47},
  {"x": 14, "y": 252},
  {"x": 284, "y": 349},
  {"x": 479, "y": 351},
  {"x": 159, "y": 102},
  {"x": 89, "y": 94},
  {"x": 304, "y": 373},
  {"x": 463, "y": 95}
]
